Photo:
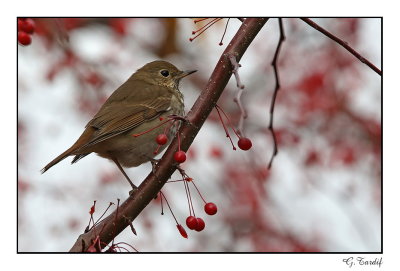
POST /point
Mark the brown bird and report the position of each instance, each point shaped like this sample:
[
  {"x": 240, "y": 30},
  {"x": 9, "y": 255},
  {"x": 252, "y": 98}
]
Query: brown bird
[{"x": 135, "y": 107}]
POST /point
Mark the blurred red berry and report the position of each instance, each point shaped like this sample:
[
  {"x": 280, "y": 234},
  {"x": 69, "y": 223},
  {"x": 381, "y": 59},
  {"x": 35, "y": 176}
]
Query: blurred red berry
[
  {"x": 312, "y": 158},
  {"x": 348, "y": 156},
  {"x": 180, "y": 156},
  {"x": 210, "y": 208},
  {"x": 191, "y": 222},
  {"x": 24, "y": 38},
  {"x": 23, "y": 186},
  {"x": 93, "y": 78},
  {"x": 27, "y": 25},
  {"x": 182, "y": 231},
  {"x": 216, "y": 152},
  {"x": 200, "y": 224},
  {"x": 119, "y": 25},
  {"x": 244, "y": 143},
  {"x": 162, "y": 139}
]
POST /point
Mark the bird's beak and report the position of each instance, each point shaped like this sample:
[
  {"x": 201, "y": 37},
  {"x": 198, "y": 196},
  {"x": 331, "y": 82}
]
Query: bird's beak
[{"x": 184, "y": 74}]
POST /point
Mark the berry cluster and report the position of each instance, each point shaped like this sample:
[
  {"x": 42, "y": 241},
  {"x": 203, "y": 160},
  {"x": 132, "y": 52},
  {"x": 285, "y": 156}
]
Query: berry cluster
[
  {"x": 192, "y": 221},
  {"x": 26, "y": 27},
  {"x": 198, "y": 223}
]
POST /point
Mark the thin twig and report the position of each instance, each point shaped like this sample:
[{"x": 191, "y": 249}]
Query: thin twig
[
  {"x": 238, "y": 98},
  {"x": 342, "y": 43},
  {"x": 236, "y": 67},
  {"x": 277, "y": 87}
]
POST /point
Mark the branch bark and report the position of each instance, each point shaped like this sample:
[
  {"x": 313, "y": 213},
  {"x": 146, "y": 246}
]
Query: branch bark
[{"x": 111, "y": 226}]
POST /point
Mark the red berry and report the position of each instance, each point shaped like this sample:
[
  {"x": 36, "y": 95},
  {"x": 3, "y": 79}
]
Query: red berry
[
  {"x": 27, "y": 25},
  {"x": 91, "y": 249},
  {"x": 191, "y": 222},
  {"x": 200, "y": 224},
  {"x": 182, "y": 231},
  {"x": 24, "y": 38},
  {"x": 20, "y": 23},
  {"x": 161, "y": 139},
  {"x": 210, "y": 208},
  {"x": 180, "y": 156},
  {"x": 244, "y": 143},
  {"x": 92, "y": 210}
]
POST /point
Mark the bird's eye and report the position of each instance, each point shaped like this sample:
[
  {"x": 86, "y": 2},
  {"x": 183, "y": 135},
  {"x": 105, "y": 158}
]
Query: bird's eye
[{"x": 164, "y": 73}]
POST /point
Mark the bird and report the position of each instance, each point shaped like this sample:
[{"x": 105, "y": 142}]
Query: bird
[{"x": 137, "y": 106}]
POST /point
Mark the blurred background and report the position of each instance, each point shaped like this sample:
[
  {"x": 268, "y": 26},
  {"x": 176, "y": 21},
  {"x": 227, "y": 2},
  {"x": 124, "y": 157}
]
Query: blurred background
[{"x": 323, "y": 192}]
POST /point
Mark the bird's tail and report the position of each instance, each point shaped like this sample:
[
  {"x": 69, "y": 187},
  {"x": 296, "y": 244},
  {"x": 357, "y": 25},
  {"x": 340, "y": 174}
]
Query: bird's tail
[
  {"x": 82, "y": 140},
  {"x": 58, "y": 159}
]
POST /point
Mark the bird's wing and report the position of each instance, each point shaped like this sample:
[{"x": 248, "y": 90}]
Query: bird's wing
[{"x": 117, "y": 117}]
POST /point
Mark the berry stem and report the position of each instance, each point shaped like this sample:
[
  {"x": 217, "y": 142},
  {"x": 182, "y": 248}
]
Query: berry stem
[
  {"x": 98, "y": 220},
  {"x": 174, "y": 181},
  {"x": 229, "y": 122},
  {"x": 209, "y": 25},
  {"x": 145, "y": 132},
  {"x": 91, "y": 220},
  {"x": 124, "y": 243},
  {"x": 223, "y": 124},
  {"x": 158, "y": 148},
  {"x": 198, "y": 191},
  {"x": 187, "y": 196},
  {"x": 200, "y": 20},
  {"x": 162, "y": 207},
  {"x": 179, "y": 141},
  {"x": 190, "y": 197},
  {"x": 162, "y": 194},
  {"x": 168, "y": 127},
  {"x": 187, "y": 189},
  {"x": 223, "y": 35}
]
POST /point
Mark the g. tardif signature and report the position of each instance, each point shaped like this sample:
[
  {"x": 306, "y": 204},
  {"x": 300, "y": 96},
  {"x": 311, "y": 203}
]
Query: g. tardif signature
[{"x": 351, "y": 261}]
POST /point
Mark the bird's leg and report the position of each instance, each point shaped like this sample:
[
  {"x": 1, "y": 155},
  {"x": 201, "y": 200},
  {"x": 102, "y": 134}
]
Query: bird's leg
[{"x": 134, "y": 187}]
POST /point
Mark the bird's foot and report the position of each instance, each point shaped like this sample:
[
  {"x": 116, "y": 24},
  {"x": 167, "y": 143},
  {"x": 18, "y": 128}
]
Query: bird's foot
[
  {"x": 154, "y": 163},
  {"x": 133, "y": 191}
]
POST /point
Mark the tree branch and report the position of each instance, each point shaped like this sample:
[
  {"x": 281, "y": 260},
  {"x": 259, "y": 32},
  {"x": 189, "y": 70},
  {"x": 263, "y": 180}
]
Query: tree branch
[
  {"x": 111, "y": 226},
  {"x": 342, "y": 43}
]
